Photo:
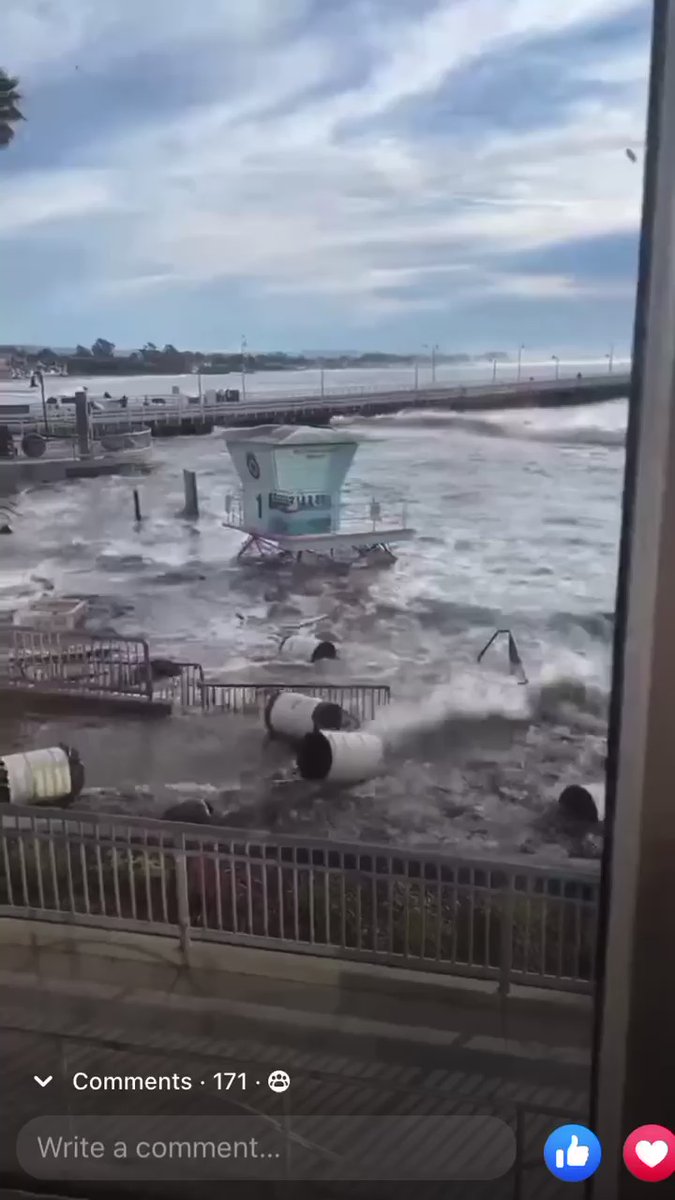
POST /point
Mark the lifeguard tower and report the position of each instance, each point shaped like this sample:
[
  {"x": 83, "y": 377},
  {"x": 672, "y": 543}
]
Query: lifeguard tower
[{"x": 292, "y": 505}]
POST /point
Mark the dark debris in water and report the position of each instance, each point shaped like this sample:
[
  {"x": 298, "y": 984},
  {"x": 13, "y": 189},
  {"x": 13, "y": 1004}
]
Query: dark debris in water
[{"x": 184, "y": 575}]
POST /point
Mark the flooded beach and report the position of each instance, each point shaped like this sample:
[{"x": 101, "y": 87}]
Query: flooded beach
[{"x": 516, "y": 518}]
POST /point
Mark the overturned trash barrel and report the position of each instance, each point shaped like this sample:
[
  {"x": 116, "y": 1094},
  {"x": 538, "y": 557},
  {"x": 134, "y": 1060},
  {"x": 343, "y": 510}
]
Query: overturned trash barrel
[
  {"x": 40, "y": 776},
  {"x": 164, "y": 668},
  {"x": 303, "y": 647},
  {"x": 33, "y": 445},
  {"x": 292, "y": 715},
  {"x": 340, "y": 757},
  {"x": 190, "y": 812},
  {"x": 583, "y": 803}
]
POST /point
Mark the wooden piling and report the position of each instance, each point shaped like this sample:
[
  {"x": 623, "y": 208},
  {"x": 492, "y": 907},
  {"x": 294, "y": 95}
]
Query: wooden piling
[{"x": 191, "y": 509}]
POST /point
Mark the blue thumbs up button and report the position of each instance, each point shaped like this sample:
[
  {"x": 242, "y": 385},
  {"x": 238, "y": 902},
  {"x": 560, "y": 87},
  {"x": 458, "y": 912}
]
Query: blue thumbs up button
[{"x": 573, "y": 1153}]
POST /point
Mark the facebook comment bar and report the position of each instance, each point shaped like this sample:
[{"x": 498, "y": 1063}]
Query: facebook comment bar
[{"x": 360, "y": 1148}]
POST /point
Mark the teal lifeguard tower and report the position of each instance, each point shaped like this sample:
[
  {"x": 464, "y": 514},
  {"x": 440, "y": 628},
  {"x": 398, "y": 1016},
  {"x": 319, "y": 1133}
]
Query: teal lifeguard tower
[{"x": 292, "y": 498}]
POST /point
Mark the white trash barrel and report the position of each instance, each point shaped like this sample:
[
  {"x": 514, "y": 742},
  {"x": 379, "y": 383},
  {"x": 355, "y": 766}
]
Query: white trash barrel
[
  {"x": 597, "y": 791},
  {"x": 39, "y": 775},
  {"x": 340, "y": 757},
  {"x": 305, "y": 647},
  {"x": 292, "y": 715}
]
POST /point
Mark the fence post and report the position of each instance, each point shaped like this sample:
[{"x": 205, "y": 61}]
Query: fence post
[
  {"x": 147, "y": 671},
  {"x": 183, "y": 899},
  {"x": 200, "y": 687},
  {"x": 187, "y": 685},
  {"x": 506, "y": 936}
]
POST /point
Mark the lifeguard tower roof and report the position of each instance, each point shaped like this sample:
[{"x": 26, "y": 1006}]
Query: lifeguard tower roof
[{"x": 291, "y": 435}]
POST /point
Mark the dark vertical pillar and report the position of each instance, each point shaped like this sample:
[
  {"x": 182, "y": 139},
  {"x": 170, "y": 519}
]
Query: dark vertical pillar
[
  {"x": 191, "y": 509},
  {"x": 82, "y": 424},
  {"x": 635, "y": 1033}
]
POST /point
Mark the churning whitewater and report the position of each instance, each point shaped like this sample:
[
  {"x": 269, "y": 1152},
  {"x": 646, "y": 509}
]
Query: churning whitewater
[{"x": 517, "y": 518}]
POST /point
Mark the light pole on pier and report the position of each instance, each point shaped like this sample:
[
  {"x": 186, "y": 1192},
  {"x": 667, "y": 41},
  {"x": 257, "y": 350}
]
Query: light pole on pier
[
  {"x": 494, "y": 370},
  {"x": 556, "y": 360},
  {"x": 520, "y": 362},
  {"x": 244, "y": 345},
  {"x": 41, "y": 381},
  {"x": 610, "y": 359},
  {"x": 433, "y": 351}
]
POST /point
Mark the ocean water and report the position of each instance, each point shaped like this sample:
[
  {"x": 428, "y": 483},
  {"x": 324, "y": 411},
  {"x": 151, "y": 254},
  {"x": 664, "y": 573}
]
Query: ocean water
[{"x": 517, "y": 522}]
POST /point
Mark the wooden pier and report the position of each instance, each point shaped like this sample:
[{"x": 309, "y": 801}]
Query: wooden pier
[{"x": 191, "y": 416}]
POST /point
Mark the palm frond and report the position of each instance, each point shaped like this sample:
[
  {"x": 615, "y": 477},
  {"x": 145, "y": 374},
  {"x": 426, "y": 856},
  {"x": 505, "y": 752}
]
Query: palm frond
[{"x": 10, "y": 113}]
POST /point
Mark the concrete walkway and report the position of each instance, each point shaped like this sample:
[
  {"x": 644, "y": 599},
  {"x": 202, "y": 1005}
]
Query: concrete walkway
[{"x": 59, "y": 1027}]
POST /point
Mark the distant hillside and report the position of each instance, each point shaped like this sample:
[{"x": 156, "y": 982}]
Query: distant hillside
[{"x": 104, "y": 358}]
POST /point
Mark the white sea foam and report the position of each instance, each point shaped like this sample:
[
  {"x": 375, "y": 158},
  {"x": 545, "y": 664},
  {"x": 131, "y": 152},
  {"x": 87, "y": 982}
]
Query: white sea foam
[{"x": 467, "y": 697}]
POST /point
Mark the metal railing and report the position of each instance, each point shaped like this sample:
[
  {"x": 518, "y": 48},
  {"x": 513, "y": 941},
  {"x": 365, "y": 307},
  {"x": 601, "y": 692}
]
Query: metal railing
[
  {"x": 67, "y": 445},
  {"x": 379, "y": 516},
  {"x": 304, "y": 392},
  {"x": 193, "y": 690},
  {"x": 371, "y": 514},
  {"x": 65, "y": 661},
  {"x": 362, "y": 700},
  {"x": 142, "y": 410},
  {"x": 502, "y": 920}
]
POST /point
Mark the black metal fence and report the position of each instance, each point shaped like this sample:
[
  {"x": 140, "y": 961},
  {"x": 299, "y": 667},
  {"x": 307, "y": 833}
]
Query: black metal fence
[
  {"x": 64, "y": 661},
  {"x": 53, "y": 660}
]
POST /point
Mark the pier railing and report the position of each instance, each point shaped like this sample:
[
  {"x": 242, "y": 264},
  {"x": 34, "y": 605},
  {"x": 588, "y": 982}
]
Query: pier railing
[
  {"x": 509, "y": 921},
  {"x": 168, "y": 411}
]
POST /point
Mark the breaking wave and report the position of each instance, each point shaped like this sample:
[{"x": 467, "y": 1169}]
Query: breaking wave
[
  {"x": 470, "y": 701},
  {"x": 598, "y": 625},
  {"x": 588, "y": 425},
  {"x": 477, "y": 708},
  {"x": 449, "y": 617}
]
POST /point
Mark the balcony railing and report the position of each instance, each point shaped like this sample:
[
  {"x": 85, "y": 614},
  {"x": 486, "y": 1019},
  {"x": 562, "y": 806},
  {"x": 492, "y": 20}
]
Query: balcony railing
[{"x": 509, "y": 921}]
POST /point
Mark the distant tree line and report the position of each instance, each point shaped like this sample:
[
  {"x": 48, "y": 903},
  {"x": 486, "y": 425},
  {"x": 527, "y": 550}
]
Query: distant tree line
[{"x": 102, "y": 358}]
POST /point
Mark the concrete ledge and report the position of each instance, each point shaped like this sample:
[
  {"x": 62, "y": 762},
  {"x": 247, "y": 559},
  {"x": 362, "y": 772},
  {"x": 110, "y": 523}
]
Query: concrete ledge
[
  {"x": 143, "y": 1011},
  {"x": 19, "y": 699},
  {"x": 303, "y": 985}
]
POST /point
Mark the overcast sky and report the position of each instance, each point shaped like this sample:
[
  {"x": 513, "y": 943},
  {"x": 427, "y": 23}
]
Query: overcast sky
[{"x": 324, "y": 173}]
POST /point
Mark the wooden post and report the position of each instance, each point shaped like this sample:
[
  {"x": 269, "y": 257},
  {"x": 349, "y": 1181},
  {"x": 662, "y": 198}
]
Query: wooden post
[
  {"x": 191, "y": 509},
  {"x": 82, "y": 424},
  {"x": 137, "y": 507}
]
